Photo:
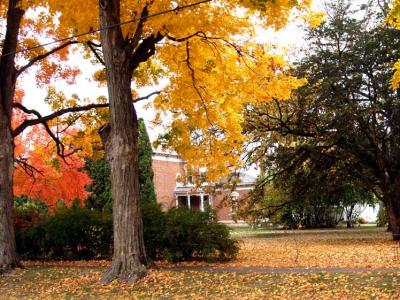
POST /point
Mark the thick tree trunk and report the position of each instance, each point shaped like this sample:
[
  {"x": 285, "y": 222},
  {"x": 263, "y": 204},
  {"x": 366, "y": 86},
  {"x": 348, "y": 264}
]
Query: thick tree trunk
[
  {"x": 120, "y": 139},
  {"x": 8, "y": 255},
  {"x": 393, "y": 209}
]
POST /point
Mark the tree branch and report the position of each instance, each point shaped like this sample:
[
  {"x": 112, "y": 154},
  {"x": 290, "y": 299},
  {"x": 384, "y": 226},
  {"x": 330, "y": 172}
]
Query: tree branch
[
  {"x": 43, "y": 56},
  {"x": 43, "y": 119},
  {"x": 92, "y": 46}
]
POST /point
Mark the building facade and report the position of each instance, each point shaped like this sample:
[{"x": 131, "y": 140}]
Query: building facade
[{"x": 169, "y": 169}]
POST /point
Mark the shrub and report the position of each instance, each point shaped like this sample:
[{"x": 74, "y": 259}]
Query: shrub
[
  {"x": 197, "y": 235},
  {"x": 28, "y": 212},
  {"x": 79, "y": 233},
  {"x": 70, "y": 233},
  {"x": 154, "y": 222}
]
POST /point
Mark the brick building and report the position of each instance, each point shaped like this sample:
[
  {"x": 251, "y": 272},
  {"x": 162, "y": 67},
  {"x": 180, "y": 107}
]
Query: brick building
[{"x": 168, "y": 171}]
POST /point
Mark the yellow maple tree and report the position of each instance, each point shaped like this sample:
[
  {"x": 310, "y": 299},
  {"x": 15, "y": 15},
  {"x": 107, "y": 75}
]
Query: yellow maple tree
[
  {"x": 214, "y": 72},
  {"x": 214, "y": 69}
]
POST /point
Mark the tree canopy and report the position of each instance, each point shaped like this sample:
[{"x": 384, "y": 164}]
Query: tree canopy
[{"x": 343, "y": 125}]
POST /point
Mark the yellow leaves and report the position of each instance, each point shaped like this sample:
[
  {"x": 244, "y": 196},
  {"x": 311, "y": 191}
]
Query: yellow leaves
[
  {"x": 394, "y": 20},
  {"x": 394, "y": 15},
  {"x": 358, "y": 248},
  {"x": 213, "y": 83},
  {"x": 212, "y": 78},
  {"x": 395, "y": 82},
  {"x": 366, "y": 248}
]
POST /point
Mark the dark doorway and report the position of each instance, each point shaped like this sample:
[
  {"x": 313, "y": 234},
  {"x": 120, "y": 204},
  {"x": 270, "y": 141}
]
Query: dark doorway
[
  {"x": 182, "y": 201},
  {"x": 195, "y": 202}
]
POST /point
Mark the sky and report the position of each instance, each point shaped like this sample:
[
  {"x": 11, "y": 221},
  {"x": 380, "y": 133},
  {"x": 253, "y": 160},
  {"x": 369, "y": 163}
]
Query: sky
[{"x": 290, "y": 39}]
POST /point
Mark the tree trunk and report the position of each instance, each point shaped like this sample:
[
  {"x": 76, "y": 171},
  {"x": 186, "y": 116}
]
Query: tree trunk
[
  {"x": 8, "y": 76},
  {"x": 8, "y": 255},
  {"x": 393, "y": 210},
  {"x": 120, "y": 139},
  {"x": 349, "y": 215}
]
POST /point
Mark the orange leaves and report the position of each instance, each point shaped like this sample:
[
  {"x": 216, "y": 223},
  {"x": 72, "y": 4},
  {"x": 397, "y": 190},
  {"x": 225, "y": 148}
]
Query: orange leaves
[
  {"x": 57, "y": 179},
  {"x": 65, "y": 281},
  {"x": 330, "y": 248}
]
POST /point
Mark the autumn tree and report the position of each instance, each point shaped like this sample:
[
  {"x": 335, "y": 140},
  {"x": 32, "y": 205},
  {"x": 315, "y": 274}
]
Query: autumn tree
[
  {"x": 20, "y": 33},
  {"x": 347, "y": 116},
  {"x": 204, "y": 48}
]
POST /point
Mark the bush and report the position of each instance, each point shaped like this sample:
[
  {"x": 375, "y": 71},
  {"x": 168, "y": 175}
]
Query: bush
[
  {"x": 79, "y": 233},
  {"x": 197, "y": 235},
  {"x": 70, "y": 233},
  {"x": 154, "y": 222},
  {"x": 28, "y": 212}
]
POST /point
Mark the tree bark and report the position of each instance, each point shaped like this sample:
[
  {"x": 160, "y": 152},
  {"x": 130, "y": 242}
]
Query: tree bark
[
  {"x": 120, "y": 138},
  {"x": 8, "y": 76},
  {"x": 393, "y": 209},
  {"x": 8, "y": 254}
]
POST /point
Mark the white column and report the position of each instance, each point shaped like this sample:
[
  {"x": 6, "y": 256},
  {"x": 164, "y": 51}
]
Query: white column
[
  {"x": 176, "y": 201},
  {"x": 202, "y": 202},
  {"x": 188, "y": 200}
]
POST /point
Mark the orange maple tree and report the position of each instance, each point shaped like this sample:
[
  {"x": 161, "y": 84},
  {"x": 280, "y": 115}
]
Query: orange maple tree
[{"x": 42, "y": 174}]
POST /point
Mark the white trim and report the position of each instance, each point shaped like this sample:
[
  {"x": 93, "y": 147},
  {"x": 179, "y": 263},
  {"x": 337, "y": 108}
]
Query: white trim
[
  {"x": 244, "y": 188},
  {"x": 167, "y": 157}
]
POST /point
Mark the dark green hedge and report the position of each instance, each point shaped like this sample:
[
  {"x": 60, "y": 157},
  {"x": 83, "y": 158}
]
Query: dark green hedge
[{"x": 79, "y": 233}]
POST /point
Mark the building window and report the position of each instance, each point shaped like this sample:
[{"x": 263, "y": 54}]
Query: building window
[
  {"x": 234, "y": 200},
  {"x": 182, "y": 201}
]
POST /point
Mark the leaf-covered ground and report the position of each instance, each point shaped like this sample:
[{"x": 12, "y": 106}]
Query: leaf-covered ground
[{"x": 360, "y": 248}]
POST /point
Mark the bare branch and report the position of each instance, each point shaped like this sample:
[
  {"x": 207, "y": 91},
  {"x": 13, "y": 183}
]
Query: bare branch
[
  {"x": 92, "y": 47},
  {"x": 147, "y": 96},
  {"x": 43, "y": 56},
  {"x": 41, "y": 120},
  {"x": 27, "y": 167}
]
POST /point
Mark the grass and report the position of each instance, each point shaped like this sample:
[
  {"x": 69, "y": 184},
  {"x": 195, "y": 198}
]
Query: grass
[
  {"x": 357, "y": 248},
  {"x": 78, "y": 283}
]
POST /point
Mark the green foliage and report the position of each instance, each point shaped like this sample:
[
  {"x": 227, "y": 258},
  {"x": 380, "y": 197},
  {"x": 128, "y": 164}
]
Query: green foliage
[
  {"x": 79, "y": 233},
  {"x": 154, "y": 225},
  {"x": 311, "y": 215},
  {"x": 333, "y": 144},
  {"x": 382, "y": 218},
  {"x": 196, "y": 234},
  {"x": 146, "y": 174},
  {"x": 28, "y": 212},
  {"x": 99, "y": 172},
  {"x": 100, "y": 189},
  {"x": 69, "y": 233}
]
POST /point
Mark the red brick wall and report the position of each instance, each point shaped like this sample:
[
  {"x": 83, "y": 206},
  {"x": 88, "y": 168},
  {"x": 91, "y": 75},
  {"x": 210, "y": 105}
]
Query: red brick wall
[
  {"x": 165, "y": 180},
  {"x": 223, "y": 209},
  {"x": 165, "y": 171}
]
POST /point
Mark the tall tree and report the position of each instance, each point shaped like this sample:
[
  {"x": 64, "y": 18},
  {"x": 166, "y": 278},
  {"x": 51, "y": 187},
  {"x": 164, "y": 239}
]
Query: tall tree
[
  {"x": 202, "y": 47},
  {"x": 17, "y": 37},
  {"x": 348, "y": 113}
]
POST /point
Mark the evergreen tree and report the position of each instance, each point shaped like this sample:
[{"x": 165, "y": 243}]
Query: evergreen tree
[
  {"x": 99, "y": 172},
  {"x": 146, "y": 174}
]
